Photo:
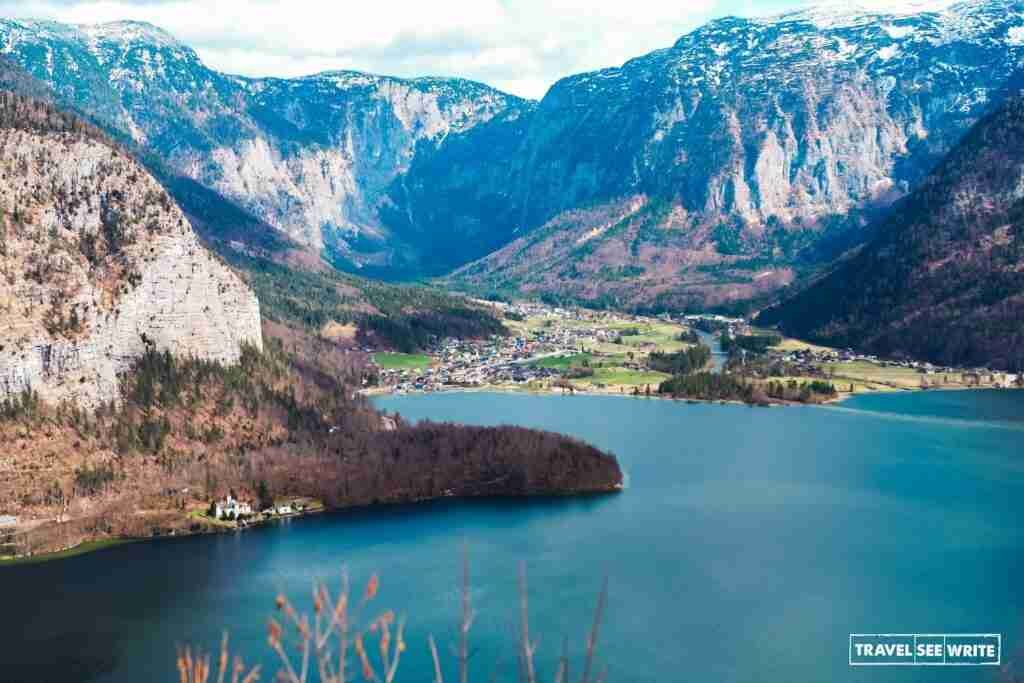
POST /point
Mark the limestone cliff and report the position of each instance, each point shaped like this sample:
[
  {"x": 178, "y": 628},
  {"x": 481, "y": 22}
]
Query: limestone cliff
[
  {"x": 944, "y": 279},
  {"x": 761, "y": 148},
  {"x": 312, "y": 156},
  {"x": 97, "y": 264}
]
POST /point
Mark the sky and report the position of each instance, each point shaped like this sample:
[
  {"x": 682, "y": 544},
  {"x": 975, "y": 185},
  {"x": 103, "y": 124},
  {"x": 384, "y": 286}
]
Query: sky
[{"x": 520, "y": 46}]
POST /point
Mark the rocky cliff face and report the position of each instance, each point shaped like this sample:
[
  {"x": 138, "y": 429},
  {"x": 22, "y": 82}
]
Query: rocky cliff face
[
  {"x": 312, "y": 156},
  {"x": 98, "y": 264},
  {"x": 795, "y": 117},
  {"x": 944, "y": 279},
  {"x": 772, "y": 141},
  {"x": 769, "y": 143}
]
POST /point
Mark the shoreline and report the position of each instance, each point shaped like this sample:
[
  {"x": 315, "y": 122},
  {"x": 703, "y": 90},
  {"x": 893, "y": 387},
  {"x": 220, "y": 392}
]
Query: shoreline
[
  {"x": 91, "y": 546},
  {"x": 96, "y": 545},
  {"x": 83, "y": 548},
  {"x": 841, "y": 396},
  {"x": 500, "y": 389}
]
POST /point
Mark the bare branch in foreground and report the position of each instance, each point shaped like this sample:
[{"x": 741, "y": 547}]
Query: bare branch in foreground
[
  {"x": 318, "y": 646},
  {"x": 467, "y": 621},
  {"x": 196, "y": 668},
  {"x": 528, "y": 648},
  {"x": 438, "y": 678},
  {"x": 592, "y": 640}
]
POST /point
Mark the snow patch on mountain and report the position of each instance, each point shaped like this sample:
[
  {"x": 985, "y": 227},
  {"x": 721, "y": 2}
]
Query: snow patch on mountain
[
  {"x": 897, "y": 32},
  {"x": 888, "y": 52},
  {"x": 843, "y": 14}
]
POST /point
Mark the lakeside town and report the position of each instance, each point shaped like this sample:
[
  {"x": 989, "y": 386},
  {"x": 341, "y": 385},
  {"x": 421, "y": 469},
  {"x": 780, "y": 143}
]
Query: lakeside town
[
  {"x": 569, "y": 350},
  {"x": 547, "y": 343}
]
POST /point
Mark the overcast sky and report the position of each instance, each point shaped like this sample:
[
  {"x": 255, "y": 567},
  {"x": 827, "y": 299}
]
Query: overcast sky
[{"x": 521, "y": 46}]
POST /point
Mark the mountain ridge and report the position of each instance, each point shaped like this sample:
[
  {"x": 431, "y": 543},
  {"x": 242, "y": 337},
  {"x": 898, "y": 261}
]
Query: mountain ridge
[
  {"x": 944, "y": 279},
  {"x": 774, "y": 141},
  {"x": 309, "y": 155}
]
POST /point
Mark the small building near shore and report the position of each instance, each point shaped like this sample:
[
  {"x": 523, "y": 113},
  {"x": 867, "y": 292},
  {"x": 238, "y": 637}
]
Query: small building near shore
[{"x": 229, "y": 508}]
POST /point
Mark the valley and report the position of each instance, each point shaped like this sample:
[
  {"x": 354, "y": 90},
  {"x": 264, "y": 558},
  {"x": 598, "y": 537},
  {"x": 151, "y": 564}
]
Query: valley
[
  {"x": 713, "y": 172},
  {"x": 550, "y": 349},
  {"x": 143, "y": 378},
  {"x": 389, "y": 323}
]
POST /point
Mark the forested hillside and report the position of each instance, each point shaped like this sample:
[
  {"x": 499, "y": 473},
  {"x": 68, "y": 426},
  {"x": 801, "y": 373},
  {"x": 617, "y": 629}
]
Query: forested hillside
[
  {"x": 944, "y": 280},
  {"x": 283, "y": 422},
  {"x": 138, "y": 382}
]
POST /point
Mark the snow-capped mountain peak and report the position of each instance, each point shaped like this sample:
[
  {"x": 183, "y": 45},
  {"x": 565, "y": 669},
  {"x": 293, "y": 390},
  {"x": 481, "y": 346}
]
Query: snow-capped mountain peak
[
  {"x": 761, "y": 138},
  {"x": 840, "y": 13},
  {"x": 130, "y": 32}
]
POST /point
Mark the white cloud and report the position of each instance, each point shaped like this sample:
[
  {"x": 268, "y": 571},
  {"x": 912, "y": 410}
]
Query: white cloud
[{"x": 521, "y": 46}]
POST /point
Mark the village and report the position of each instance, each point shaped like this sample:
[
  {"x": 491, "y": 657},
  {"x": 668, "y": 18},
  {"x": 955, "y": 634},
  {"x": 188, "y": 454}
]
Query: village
[
  {"x": 539, "y": 332},
  {"x": 548, "y": 342}
]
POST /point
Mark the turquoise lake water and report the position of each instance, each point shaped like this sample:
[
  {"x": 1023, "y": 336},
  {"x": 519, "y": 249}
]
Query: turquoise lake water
[{"x": 747, "y": 546}]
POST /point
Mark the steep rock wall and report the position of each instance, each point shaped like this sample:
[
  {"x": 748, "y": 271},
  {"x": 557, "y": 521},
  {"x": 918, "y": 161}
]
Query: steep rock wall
[{"x": 97, "y": 265}]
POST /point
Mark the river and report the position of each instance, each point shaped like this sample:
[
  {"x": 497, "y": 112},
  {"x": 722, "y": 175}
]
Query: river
[
  {"x": 747, "y": 545},
  {"x": 718, "y": 356}
]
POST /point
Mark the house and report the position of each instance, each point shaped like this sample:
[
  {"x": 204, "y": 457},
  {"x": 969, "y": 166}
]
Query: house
[
  {"x": 1006, "y": 380},
  {"x": 972, "y": 378},
  {"x": 284, "y": 509},
  {"x": 229, "y": 508}
]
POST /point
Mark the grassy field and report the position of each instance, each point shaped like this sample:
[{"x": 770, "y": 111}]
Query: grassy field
[
  {"x": 608, "y": 369},
  {"x": 608, "y": 359},
  {"x": 873, "y": 377},
  {"x": 788, "y": 344},
  {"x": 661, "y": 337},
  {"x": 624, "y": 377},
  {"x": 401, "y": 361},
  {"x": 80, "y": 549},
  {"x": 655, "y": 337},
  {"x": 565, "y": 362}
]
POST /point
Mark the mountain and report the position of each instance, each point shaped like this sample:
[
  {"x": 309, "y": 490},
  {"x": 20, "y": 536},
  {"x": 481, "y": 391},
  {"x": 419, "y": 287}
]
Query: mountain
[
  {"x": 944, "y": 279},
  {"x": 135, "y": 386},
  {"x": 726, "y": 166},
  {"x": 733, "y": 163},
  {"x": 99, "y": 265},
  {"x": 311, "y": 156}
]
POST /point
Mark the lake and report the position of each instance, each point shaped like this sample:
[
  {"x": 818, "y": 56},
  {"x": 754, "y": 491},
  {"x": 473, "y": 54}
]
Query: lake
[{"x": 748, "y": 544}]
